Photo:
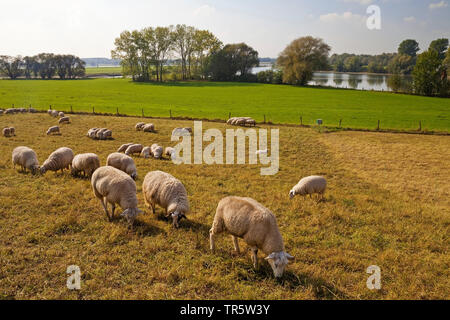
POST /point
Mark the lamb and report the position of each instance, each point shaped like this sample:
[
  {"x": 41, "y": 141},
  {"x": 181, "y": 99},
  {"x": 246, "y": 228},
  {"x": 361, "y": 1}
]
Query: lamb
[
  {"x": 124, "y": 147},
  {"x": 113, "y": 186},
  {"x": 146, "y": 152},
  {"x": 54, "y": 129},
  {"x": 122, "y": 162},
  {"x": 135, "y": 148},
  {"x": 59, "y": 160},
  {"x": 157, "y": 151},
  {"x": 161, "y": 188},
  {"x": 247, "y": 219},
  {"x": 64, "y": 120},
  {"x": 26, "y": 158},
  {"x": 61, "y": 114},
  {"x": 150, "y": 127},
  {"x": 6, "y": 132},
  {"x": 139, "y": 126},
  {"x": 85, "y": 163},
  {"x": 310, "y": 185}
]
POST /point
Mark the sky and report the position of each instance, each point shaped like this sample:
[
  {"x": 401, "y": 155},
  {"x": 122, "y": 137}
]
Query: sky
[{"x": 87, "y": 28}]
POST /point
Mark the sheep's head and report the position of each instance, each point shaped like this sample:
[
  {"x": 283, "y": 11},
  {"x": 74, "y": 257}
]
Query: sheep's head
[
  {"x": 134, "y": 176},
  {"x": 176, "y": 217},
  {"x": 35, "y": 169},
  {"x": 292, "y": 194},
  {"x": 131, "y": 214},
  {"x": 43, "y": 170},
  {"x": 278, "y": 261}
]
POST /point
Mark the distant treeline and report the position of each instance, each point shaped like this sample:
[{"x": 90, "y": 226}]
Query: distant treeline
[
  {"x": 42, "y": 66},
  {"x": 347, "y": 62}
]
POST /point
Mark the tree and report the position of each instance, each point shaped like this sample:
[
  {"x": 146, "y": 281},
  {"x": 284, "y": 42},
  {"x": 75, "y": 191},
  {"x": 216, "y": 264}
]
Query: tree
[
  {"x": 205, "y": 44},
  {"x": 440, "y": 46},
  {"x": 427, "y": 74},
  {"x": 11, "y": 66},
  {"x": 301, "y": 57},
  {"x": 409, "y": 47},
  {"x": 446, "y": 62},
  {"x": 402, "y": 64}
]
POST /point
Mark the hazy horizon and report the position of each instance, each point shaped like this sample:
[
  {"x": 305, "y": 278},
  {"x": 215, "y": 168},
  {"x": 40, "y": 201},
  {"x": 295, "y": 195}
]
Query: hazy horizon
[{"x": 88, "y": 28}]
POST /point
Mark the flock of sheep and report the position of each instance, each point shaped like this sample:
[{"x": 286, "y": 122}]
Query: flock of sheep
[
  {"x": 114, "y": 184},
  {"x": 241, "y": 121}
]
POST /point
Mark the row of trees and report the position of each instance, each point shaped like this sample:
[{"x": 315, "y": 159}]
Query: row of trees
[
  {"x": 43, "y": 66},
  {"x": 199, "y": 54}
]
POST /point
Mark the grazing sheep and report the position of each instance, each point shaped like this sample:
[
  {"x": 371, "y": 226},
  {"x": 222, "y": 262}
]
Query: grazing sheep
[
  {"x": 12, "y": 131},
  {"x": 180, "y": 132},
  {"x": 10, "y": 111},
  {"x": 54, "y": 129},
  {"x": 170, "y": 152},
  {"x": 149, "y": 127},
  {"x": 247, "y": 219},
  {"x": 59, "y": 160},
  {"x": 134, "y": 148},
  {"x": 32, "y": 110},
  {"x": 22, "y": 110},
  {"x": 124, "y": 147},
  {"x": 49, "y": 111},
  {"x": 157, "y": 151},
  {"x": 92, "y": 132},
  {"x": 309, "y": 185},
  {"x": 6, "y": 132},
  {"x": 139, "y": 126},
  {"x": 160, "y": 188},
  {"x": 26, "y": 158},
  {"x": 113, "y": 186},
  {"x": 85, "y": 163},
  {"x": 100, "y": 133},
  {"x": 250, "y": 122},
  {"x": 61, "y": 114},
  {"x": 64, "y": 120},
  {"x": 122, "y": 162},
  {"x": 146, "y": 152},
  {"x": 55, "y": 113}
]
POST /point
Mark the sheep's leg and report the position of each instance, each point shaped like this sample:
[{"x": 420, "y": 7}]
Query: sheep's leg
[
  {"x": 212, "y": 243},
  {"x": 105, "y": 206},
  {"x": 113, "y": 209},
  {"x": 255, "y": 257},
  {"x": 236, "y": 244}
]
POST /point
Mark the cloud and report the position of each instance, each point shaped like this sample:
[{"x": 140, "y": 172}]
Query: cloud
[
  {"x": 362, "y": 2},
  {"x": 344, "y": 17},
  {"x": 204, "y": 11},
  {"x": 409, "y": 19},
  {"x": 438, "y": 5}
]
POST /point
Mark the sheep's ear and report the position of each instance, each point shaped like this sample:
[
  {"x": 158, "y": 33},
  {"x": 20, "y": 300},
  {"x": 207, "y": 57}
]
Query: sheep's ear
[
  {"x": 271, "y": 256},
  {"x": 289, "y": 257}
]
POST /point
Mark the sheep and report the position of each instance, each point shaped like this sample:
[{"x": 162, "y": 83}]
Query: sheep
[
  {"x": 22, "y": 110},
  {"x": 146, "y": 152},
  {"x": 6, "y": 132},
  {"x": 59, "y": 160},
  {"x": 310, "y": 185},
  {"x": 122, "y": 162},
  {"x": 54, "y": 113},
  {"x": 12, "y": 131},
  {"x": 92, "y": 132},
  {"x": 64, "y": 120},
  {"x": 248, "y": 219},
  {"x": 180, "y": 132},
  {"x": 49, "y": 111},
  {"x": 157, "y": 151},
  {"x": 113, "y": 186},
  {"x": 170, "y": 152},
  {"x": 10, "y": 111},
  {"x": 124, "y": 147},
  {"x": 99, "y": 134},
  {"x": 26, "y": 158},
  {"x": 139, "y": 126},
  {"x": 32, "y": 110},
  {"x": 150, "y": 127},
  {"x": 250, "y": 122},
  {"x": 161, "y": 188},
  {"x": 61, "y": 114},
  {"x": 85, "y": 163},
  {"x": 135, "y": 148},
  {"x": 54, "y": 129},
  {"x": 1, "y": 111}
]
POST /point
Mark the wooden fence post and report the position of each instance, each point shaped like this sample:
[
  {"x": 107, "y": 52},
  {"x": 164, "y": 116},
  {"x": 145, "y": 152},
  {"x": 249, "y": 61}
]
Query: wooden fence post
[
  {"x": 378, "y": 128},
  {"x": 420, "y": 125},
  {"x": 71, "y": 110},
  {"x": 301, "y": 120},
  {"x": 93, "y": 109},
  {"x": 229, "y": 115},
  {"x": 50, "y": 107},
  {"x": 340, "y": 123},
  {"x": 170, "y": 111}
]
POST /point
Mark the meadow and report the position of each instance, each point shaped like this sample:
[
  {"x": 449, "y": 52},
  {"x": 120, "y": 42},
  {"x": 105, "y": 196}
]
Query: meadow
[
  {"x": 388, "y": 204},
  {"x": 214, "y": 100},
  {"x": 103, "y": 71}
]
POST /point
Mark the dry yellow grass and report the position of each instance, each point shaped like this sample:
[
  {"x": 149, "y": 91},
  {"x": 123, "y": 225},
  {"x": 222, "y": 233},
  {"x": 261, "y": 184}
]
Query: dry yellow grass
[{"x": 387, "y": 205}]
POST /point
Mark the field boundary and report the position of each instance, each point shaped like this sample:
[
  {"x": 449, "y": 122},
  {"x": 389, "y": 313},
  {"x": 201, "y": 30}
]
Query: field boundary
[{"x": 328, "y": 129}]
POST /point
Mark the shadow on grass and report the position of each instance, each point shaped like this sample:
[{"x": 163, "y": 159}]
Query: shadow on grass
[{"x": 143, "y": 228}]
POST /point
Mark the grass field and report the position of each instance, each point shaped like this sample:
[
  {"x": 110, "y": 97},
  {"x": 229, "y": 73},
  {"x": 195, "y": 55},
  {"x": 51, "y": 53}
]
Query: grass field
[
  {"x": 387, "y": 205},
  {"x": 212, "y": 100},
  {"x": 103, "y": 71}
]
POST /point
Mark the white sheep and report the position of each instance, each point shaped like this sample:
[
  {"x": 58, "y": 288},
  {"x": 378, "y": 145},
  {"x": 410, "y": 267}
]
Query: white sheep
[
  {"x": 124, "y": 147},
  {"x": 170, "y": 152},
  {"x": 310, "y": 185},
  {"x": 161, "y": 188},
  {"x": 122, "y": 162},
  {"x": 26, "y": 158},
  {"x": 113, "y": 186},
  {"x": 49, "y": 111},
  {"x": 61, "y": 114},
  {"x": 32, "y": 110},
  {"x": 64, "y": 120},
  {"x": 55, "y": 113},
  {"x": 182, "y": 132},
  {"x": 92, "y": 132},
  {"x": 54, "y": 129},
  {"x": 6, "y": 132},
  {"x": 134, "y": 148},
  {"x": 85, "y": 163},
  {"x": 150, "y": 127},
  {"x": 157, "y": 151},
  {"x": 139, "y": 126},
  {"x": 146, "y": 152},
  {"x": 247, "y": 219},
  {"x": 59, "y": 160}
]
